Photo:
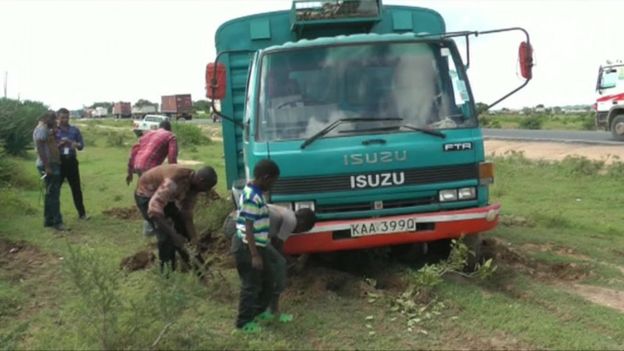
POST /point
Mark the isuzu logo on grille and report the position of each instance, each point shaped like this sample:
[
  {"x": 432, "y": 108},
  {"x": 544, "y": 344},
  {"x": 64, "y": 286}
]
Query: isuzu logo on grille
[
  {"x": 378, "y": 180},
  {"x": 375, "y": 157}
]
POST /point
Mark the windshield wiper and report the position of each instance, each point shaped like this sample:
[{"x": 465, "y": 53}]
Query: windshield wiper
[
  {"x": 406, "y": 126},
  {"x": 335, "y": 124},
  {"x": 425, "y": 130}
]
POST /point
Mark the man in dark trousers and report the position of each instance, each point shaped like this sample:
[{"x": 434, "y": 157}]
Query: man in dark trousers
[
  {"x": 69, "y": 141},
  {"x": 169, "y": 192},
  {"x": 49, "y": 167}
]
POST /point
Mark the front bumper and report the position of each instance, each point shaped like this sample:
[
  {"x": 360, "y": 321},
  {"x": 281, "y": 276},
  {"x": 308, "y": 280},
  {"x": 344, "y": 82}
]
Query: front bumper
[{"x": 435, "y": 226}]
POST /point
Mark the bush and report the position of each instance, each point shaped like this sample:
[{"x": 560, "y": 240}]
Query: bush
[
  {"x": 588, "y": 122},
  {"x": 531, "y": 122},
  {"x": 108, "y": 318},
  {"x": 12, "y": 175},
  {"x": 578, "y": 165},
  {"x": 116, "y": 138},
  {"x": 17, "y": 121},
  {"x": 189, "y": 135}
]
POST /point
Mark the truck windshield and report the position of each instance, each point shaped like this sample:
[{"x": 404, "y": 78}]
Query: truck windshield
[{"x": 417, "y": 84}]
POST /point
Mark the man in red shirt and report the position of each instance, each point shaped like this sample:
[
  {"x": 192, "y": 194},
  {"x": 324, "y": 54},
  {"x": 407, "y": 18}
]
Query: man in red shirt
[{"x": 152, "y": 150}]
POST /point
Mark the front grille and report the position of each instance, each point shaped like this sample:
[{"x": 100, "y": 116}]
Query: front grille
[
  {"x": 414, "y": 176},
  {"x": 368, "y": 206}
]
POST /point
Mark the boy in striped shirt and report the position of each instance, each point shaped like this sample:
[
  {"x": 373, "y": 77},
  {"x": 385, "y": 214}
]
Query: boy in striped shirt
[{"x": 250, "y": 247}]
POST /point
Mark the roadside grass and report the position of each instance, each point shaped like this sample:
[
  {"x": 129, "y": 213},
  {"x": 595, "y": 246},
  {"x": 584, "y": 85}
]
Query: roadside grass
[
  {"x": 548, "y": 122},
  {"x": 564, "y": 218}
]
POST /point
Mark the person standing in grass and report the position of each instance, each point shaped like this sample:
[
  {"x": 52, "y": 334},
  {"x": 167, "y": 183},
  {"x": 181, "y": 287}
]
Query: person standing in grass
[
  {"x": 49, "y": 167},
  {"x": 166, "y": 194},
  {"x": 69, "y": 142},
  {"x": 249, "y": 247},
  {"x": 283, "y": 222},
  {"x": 150, "y": 151}
]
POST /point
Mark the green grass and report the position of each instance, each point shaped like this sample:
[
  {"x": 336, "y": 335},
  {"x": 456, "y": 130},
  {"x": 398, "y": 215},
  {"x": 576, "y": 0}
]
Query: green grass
[
  {"x": 548, "y": 122},
  {"x": 40, "y": 307}
]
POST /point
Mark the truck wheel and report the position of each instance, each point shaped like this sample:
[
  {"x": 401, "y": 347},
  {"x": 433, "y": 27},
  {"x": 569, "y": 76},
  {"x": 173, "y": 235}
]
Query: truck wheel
[{"x": 617, "y": 128}]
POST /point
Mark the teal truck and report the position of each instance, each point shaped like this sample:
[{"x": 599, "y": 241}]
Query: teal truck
[{"x": 368, "y": 111}]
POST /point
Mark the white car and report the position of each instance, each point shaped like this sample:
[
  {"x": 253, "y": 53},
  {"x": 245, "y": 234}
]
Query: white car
[{"x": 148, "y": 123}]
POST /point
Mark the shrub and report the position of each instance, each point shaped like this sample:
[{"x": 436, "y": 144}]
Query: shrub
[
  {"x": 588, "y": 122},
  {"x": 12, "y": 175},
  {"x": 189, "y": 135},
  {"x": 116, "y": 138},
  {"x": 531, "y": 122},
  {"x": 17, "y": 121},
  {"x": 578, "y": 165}
]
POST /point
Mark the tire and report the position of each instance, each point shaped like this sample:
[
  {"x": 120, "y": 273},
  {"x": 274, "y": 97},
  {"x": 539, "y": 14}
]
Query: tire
[{"x": 617, "y": 128}]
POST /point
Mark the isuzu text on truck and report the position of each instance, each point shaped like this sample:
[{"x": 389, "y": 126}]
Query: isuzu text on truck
[{"x": 368, "y": 112}]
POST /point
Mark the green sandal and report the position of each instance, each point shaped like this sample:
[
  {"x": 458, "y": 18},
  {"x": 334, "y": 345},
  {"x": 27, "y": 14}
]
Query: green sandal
[
  {"x": 285, "y": 318},
  {"x": 265, "y": 316},
  {"x": 251, "y": 328}
]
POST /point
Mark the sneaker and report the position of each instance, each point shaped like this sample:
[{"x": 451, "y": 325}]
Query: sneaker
[{"x": 84, "y": 217}]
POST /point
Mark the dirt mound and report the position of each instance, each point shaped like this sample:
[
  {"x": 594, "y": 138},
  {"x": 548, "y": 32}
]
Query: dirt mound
[
  {"x": 140, "y": 260},
  {"x": 19, "y": 260},
  {"x": 128, "y": 213},
  {"x": 506, "y": 255}
]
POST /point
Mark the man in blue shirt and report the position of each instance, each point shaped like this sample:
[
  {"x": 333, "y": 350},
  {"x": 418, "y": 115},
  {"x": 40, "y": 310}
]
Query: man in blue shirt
[{"x": 69, "y": 141}]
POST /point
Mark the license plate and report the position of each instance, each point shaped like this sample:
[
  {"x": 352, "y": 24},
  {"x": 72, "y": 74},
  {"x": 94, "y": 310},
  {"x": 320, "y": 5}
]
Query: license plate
[{"x": 385, "y": 226}]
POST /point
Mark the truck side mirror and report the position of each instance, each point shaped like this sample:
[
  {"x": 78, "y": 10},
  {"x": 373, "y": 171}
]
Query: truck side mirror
[
  {"x": 215, "y": 81},
  {"x": 525, "y": 55}
]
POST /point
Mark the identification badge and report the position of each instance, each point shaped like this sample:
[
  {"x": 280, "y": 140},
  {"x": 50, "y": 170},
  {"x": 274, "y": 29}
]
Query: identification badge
[{"x": 65, "y": 151}]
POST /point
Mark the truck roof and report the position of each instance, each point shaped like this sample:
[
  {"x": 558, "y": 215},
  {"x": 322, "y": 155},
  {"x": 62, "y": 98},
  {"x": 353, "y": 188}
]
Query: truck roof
[{"x": 342, "y": 39}]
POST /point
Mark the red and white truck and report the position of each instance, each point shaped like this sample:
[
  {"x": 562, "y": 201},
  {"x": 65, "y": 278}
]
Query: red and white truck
[{"x": 609, "y": 104}]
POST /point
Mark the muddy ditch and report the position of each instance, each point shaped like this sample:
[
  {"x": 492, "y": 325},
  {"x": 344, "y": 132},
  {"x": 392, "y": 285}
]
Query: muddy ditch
[
  {"x": 123, "y": 213},
  {"x": 21, "y": 260}
]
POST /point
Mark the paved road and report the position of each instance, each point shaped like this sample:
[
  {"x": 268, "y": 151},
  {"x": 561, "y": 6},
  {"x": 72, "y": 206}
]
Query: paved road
[{"x": 588, "y": 137}]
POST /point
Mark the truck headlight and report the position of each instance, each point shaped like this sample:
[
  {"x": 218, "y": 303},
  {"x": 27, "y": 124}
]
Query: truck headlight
[
  {"x": 466, "y": 193},
  {"x": 448, "y": 195},
  {"x": 304, "y": 204}
]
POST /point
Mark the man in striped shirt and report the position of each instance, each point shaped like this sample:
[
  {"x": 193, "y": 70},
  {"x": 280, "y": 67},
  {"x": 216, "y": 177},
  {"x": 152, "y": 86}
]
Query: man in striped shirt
[{"x": 250, "y": 247}]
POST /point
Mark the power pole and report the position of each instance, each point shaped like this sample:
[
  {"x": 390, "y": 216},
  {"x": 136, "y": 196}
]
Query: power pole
[{"x": 6, "y": 78}]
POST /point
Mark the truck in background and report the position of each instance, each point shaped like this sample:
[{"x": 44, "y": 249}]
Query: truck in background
[
  {"x": 609, "y": 105},
  {"x": 99, "y": 112},
  {"x": 122, "y": 110},
  {"x": 177, "y": 106},
  {"x": 139, "y": 112},
  {"x": 368, "y": 111}
]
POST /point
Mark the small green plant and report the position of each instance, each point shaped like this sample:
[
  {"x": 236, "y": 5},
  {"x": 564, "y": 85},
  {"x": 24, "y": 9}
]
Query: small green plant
[
  {"x": 616, "y": 169},
  {"x": 419, "y": 302},
  {"x": 531, "y": 122},
  {"x": 189, "y": 135}
]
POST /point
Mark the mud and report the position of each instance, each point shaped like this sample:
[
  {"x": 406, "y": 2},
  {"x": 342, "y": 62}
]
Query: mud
[
  {"x": 507, "y": 255},
  {"x": 127, "y": 213},
  {"x": 140, "y": 260},
  {"x": 20, "y": 260}
]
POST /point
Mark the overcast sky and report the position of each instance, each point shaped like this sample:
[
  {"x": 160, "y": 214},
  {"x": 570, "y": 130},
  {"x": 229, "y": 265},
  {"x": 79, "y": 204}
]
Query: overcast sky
[{"x": 72, "y": 53}]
